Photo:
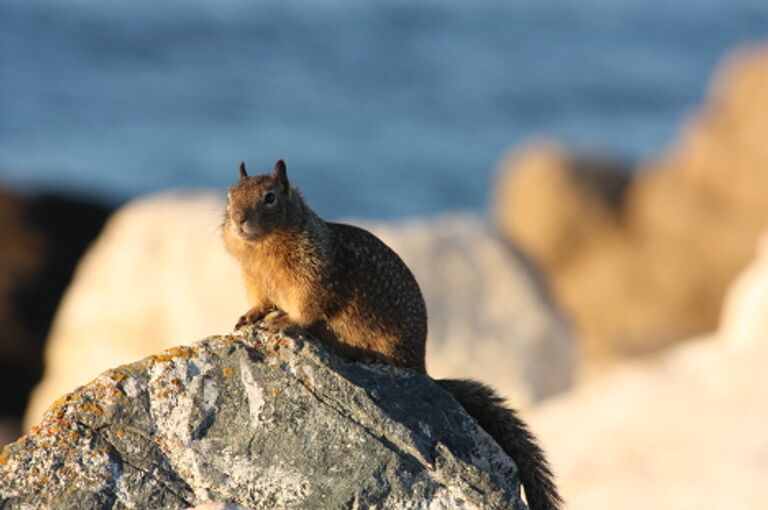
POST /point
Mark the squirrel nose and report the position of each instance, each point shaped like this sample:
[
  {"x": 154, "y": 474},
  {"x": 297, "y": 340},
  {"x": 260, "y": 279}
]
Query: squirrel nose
[{"x": 238, "y": 217}]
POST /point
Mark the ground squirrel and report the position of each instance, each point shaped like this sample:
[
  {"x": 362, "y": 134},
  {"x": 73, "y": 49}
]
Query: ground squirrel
[{"x": 349, "y": 289}]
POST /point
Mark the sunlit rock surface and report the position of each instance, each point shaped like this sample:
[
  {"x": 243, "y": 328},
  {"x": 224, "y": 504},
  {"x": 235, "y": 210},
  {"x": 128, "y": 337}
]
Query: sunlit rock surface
[{"x": 259, "y": 419}]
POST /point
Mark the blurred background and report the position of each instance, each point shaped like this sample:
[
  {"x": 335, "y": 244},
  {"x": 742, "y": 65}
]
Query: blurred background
[
  {"x": 115, "y": 99},
  {"x": 580, "y": 187}
]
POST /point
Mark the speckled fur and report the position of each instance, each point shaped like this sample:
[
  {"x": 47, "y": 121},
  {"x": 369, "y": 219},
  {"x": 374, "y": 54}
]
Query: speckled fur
[
  {"x": 338, "y": 281},
  {"x": 354, "y": 293}
]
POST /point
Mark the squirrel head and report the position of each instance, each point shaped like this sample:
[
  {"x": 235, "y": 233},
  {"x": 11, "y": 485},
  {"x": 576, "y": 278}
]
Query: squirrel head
[{"x": 261, "y": 204}]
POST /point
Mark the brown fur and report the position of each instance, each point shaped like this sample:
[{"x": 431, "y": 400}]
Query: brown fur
[
  {"x": 355, "y": 294},
  {"x": 329, "y": 278}
]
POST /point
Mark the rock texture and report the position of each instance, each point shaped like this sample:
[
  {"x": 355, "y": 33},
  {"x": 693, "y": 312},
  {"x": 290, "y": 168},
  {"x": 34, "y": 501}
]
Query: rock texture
[
  {"x": 649, "y": 265},
  {"x": 159, "y": 275},
  {"x": 259, "y": 419}
]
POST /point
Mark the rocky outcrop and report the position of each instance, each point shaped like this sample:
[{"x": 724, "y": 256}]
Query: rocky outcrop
[
  {"x": 259, "y": 419},
  {"x": 159, "y": 275},
  {"x": 43, "y": 236},
  {"x": 650, "y": 265}
]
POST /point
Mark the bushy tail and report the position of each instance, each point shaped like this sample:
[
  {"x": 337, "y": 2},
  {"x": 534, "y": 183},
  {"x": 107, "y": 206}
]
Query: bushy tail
[{"x": 503, "y": 424}]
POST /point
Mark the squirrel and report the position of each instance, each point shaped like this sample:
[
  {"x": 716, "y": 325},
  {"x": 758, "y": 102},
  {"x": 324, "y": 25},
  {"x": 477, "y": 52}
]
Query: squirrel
[{"x": 350, "y": 290}]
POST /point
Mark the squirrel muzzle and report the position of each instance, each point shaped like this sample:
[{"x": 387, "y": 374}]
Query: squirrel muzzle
[{"x": 245, "y": 225}]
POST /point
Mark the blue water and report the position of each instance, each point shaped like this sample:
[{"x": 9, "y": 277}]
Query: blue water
[{"x": 381, "y": 108}]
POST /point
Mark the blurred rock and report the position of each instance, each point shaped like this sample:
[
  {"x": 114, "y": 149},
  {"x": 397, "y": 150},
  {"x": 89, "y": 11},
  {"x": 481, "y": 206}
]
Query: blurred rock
[
  {"x": 554, "y": 203},
  {"x": 689, "y": 427},
  {"x": 237, "y": 419},
  {"x": 650, "y": 266},
  {"x": 159, "y": 275},
  {"x": 745, "y": 316},
  {"x": 10, "y": 429},
  {"x": 490, "y": 319},
  {"x": 42, "y": 238},
  {"x": 683, "y": 424}
]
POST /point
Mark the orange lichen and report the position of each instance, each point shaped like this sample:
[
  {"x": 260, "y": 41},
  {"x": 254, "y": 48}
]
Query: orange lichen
[
  {"x": 182, "y": 351},
  {"x": 92, "y": 408},
  {"x": 117, "y": 376},
  {"x": 227, "y": 372},
  {"x": 59, "y": 403}
]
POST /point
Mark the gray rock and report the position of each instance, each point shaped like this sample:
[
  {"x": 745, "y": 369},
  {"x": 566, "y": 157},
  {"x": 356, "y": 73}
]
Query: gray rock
[{"x": 259, "y": 419}]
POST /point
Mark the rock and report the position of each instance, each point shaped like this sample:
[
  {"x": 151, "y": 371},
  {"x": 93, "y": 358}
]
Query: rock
[
  {"x": 552, "y": 203},
  {"x": 689, "y": 427},
  {"x": 650, "y": 268},
  {"x": 692, "y": 420},
  {"x": 159, "y": 274},
  {"x": 10, "y": 430},
  {"x": 39, "y": 249},
  {"x": 745, "y": 314},
  {"x": 260, "y": 419}
]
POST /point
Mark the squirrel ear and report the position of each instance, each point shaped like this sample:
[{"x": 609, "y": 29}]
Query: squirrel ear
[
  {"x": 243, "y": 173},
  {"x": 279, "y": 172}
]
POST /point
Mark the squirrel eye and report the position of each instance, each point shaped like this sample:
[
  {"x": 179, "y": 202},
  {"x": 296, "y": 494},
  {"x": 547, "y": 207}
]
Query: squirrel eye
[{"x": 269, "y": 198}]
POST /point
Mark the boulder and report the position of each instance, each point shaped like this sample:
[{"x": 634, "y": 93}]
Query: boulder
[
  {"x": 689, "y": 427},
  {"x": 159, "y": 274},
  {"x": 650, "y": 265},
  {"x": 690, "y": 420},
  {"x": 553, "y": 203},
  {"x": 261, "y": 418}
]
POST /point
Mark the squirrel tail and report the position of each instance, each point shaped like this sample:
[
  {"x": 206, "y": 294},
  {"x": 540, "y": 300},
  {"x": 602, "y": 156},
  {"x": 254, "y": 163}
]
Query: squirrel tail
[{"x": 503, "y": 424}]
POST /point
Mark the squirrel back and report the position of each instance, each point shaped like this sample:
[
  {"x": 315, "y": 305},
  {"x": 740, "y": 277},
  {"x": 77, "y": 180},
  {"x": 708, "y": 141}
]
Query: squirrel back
[{"x": 350, "y": 290}]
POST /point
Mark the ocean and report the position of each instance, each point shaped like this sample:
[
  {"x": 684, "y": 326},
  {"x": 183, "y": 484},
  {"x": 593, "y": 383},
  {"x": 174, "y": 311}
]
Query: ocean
[{"x": 381, "y": 109}]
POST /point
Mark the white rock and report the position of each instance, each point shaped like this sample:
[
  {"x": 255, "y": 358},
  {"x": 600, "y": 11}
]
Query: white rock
[
  {"x": 745, "y": 313},
  {"x": 489, "y": 317},
  {"x": 159, "y": 274},
  {"x": 685, "y": 431}
]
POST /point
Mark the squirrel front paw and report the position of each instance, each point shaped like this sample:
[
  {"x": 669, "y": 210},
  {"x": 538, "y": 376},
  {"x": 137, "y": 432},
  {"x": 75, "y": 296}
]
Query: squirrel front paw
[{"x": 253, "y": 316}]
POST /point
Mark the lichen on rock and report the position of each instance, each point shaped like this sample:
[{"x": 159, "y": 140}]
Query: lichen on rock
[{"x": 261, "y": 418}]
